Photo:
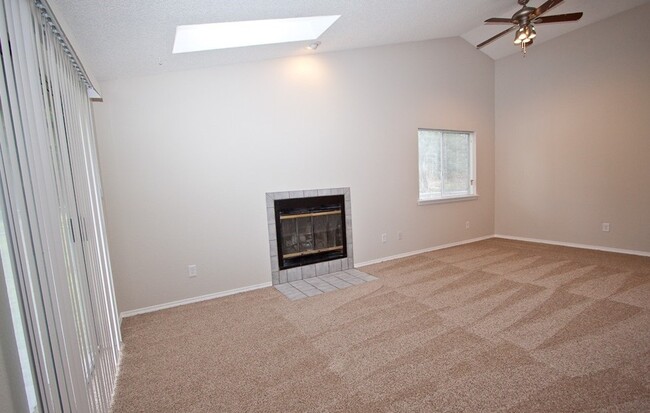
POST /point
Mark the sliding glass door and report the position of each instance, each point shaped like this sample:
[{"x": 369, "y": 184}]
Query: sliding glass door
[{"x": 53, "y": 243}]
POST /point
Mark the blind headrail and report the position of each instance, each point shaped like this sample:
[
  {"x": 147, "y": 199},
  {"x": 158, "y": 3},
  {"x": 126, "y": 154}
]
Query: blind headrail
[{"x": 50, "y": 19}]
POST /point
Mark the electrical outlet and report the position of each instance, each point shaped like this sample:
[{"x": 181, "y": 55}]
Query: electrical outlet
[
  {"x": 466, "y": 224},
  {"x": 605, "y": 226},
  {"x": 383, "y": 237},
  {"x": 400, "y": 235},
  {"x": 192, "y": 271}
]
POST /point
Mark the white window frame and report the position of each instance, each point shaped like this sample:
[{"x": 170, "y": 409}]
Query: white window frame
[{"x": 473, "y": 193}]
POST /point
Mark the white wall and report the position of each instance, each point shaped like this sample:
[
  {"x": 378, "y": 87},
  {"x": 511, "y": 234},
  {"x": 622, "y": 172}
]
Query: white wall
[
  {"x": 187, "y": 158},
  {"x": 573, "y": 136}
]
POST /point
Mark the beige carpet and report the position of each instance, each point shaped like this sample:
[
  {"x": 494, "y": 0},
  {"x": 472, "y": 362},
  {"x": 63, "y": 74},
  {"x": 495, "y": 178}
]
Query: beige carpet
[{"x": 491, "y": 326}]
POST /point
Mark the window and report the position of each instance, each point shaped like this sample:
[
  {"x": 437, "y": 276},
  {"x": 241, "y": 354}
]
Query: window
[{"x": 447, "y": 165}]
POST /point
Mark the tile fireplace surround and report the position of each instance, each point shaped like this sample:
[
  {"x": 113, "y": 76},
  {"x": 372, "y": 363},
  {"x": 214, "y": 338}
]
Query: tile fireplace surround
[{"x": 279, "y": 276}]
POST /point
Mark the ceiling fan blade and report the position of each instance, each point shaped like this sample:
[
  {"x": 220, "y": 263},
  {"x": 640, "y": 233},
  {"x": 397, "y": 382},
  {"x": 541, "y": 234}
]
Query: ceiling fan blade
[
  {"x": 544, "y": 8},
  {"x": 558, "y": 18},
  {"x": 493, "y": 38},
  {"x": 499, "y": 20}
]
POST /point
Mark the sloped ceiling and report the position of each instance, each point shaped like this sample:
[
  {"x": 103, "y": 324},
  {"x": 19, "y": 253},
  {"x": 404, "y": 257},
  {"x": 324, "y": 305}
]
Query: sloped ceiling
[{"x": 126, "y": 38}]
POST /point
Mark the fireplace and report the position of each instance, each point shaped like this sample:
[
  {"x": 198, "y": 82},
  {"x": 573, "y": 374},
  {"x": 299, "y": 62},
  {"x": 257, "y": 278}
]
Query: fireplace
[
  {"x": 310, "y": 230},
  {"x": 310, "y": 233}
]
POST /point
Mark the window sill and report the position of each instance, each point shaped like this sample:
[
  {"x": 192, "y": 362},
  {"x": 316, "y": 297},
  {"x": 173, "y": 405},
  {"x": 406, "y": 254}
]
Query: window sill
[{"x": 445, "y": 200}]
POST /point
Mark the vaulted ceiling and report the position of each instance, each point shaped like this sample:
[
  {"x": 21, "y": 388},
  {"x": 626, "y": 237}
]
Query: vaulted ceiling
[{"x": 125, "y": 38}]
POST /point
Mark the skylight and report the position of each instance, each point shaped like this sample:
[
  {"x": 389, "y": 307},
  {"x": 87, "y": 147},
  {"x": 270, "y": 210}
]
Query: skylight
[{"x": 211, "y": 36}]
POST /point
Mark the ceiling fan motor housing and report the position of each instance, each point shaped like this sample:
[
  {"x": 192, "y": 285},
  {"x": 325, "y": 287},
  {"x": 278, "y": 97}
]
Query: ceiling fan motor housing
[{"x": 522, "y": 16}]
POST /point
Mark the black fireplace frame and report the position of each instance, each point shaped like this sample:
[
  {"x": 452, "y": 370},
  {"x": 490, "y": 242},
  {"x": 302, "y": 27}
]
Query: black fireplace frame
[{"x": 306, "y": 205}]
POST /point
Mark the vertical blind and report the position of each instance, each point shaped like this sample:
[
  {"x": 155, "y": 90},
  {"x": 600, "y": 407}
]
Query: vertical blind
[{"x": 55, "y": 217}]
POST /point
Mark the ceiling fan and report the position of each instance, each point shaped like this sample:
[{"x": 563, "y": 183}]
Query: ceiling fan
[{"x": 524, "y": 21}]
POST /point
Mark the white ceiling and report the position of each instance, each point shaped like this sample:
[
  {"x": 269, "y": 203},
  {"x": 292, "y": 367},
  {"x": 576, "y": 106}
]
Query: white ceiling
[{"x": 125, "y": 38}]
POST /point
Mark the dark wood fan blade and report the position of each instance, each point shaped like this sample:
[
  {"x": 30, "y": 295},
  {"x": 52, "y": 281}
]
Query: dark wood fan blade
[
  {"x": 558, "y": 18},
  {"x": 499, "y": 20},
  {"x": 544, "y": 8},
  {"x": 493, "y": 38}
]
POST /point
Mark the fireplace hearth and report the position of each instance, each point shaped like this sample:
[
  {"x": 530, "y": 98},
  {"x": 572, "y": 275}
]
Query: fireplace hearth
[{"x": 310, "y": 233}]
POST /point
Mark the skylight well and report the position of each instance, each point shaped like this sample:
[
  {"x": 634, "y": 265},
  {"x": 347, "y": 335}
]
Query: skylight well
[{"x": 212, "y": 36}]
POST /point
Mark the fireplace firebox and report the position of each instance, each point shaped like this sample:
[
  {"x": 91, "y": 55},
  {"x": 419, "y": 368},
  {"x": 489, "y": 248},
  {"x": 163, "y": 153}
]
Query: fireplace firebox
[{"x": 310, "y": 230}]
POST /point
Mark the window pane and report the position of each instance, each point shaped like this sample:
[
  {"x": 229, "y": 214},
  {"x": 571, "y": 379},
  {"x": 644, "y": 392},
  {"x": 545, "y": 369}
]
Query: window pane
[
  {"x": 456, "y": 168},
  {"x": 429, "y": 143},
  {"x": 446, "y": 164}
]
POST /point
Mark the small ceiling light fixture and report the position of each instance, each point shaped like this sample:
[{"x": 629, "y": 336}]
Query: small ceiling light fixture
[
  {"x": 313, "y": 46},
  {"x": 524, "y": 36},
  {"x": 211, "y": 36}
]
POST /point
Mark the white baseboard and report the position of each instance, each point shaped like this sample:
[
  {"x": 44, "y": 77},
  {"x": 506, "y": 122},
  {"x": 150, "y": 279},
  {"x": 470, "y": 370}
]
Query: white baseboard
[
  {"x": 157, "y": 307},
  {"x": 152, "y": 308},
  {"x": 574, "y": 245},
  {"x": 540, "y": 241},
  {"x": 408, "y": 254}
]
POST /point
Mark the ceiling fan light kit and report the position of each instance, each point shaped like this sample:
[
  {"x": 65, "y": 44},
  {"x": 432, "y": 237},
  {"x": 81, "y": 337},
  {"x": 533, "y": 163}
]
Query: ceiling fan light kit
[
  {"x": 524, "y": 20},
  {"x": 524, "y": 37},
  {"x": 525, "y": 34}
]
